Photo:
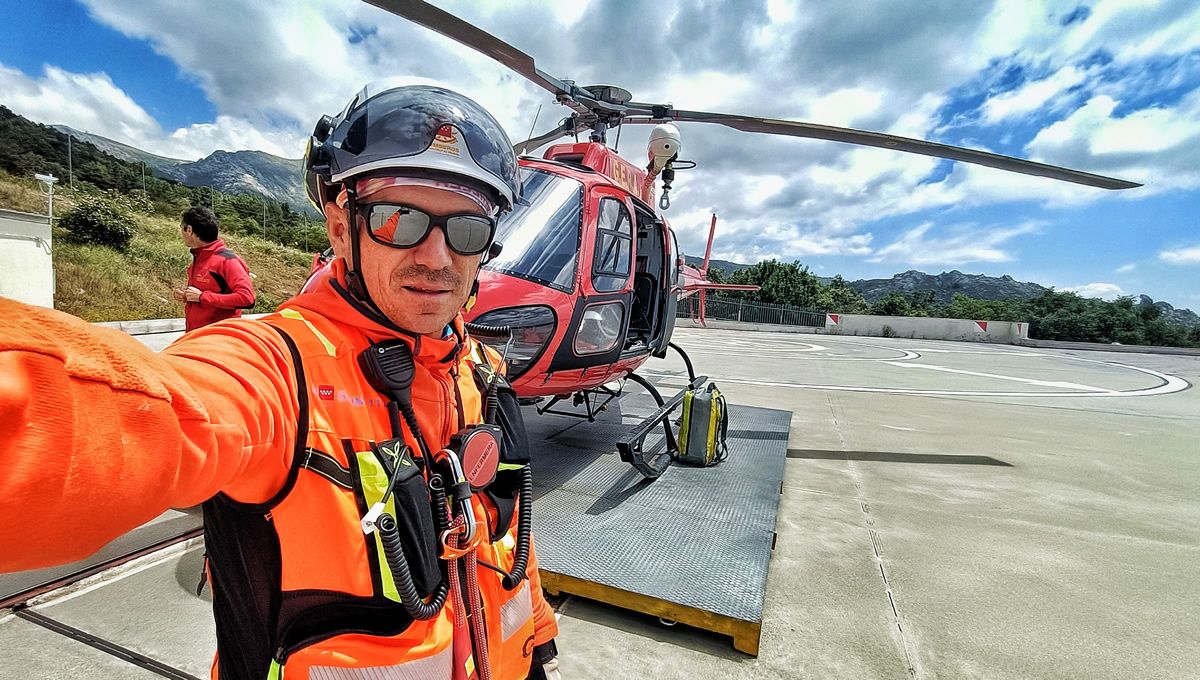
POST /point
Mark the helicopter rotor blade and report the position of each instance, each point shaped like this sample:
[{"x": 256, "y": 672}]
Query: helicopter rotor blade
[
  {"x": 435, "y": 19},
  {"x": 569, "y": 126},
  {"x": 880, "y": 140},
  {"x": 586, "y": 104}
]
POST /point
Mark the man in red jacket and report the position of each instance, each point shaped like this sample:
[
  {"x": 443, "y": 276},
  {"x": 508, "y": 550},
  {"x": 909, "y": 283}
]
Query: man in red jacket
[{"x": 219, "y": 285}]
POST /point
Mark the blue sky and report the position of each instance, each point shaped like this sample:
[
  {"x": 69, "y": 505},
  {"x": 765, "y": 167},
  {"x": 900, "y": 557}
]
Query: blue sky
[{"x": 1111, "y": 87}]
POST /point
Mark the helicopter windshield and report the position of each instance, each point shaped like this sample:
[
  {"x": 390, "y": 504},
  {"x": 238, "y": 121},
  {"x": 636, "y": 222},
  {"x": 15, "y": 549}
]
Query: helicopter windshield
[{"x": 541, "y": 233}]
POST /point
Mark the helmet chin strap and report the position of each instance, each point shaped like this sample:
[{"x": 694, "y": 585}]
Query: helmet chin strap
[{"x": 354, "y": 280}]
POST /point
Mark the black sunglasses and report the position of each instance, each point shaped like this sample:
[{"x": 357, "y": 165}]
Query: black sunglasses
[{"x": 403, "y": 226}]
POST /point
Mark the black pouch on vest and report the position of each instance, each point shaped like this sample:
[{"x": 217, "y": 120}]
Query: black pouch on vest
[
  {"x": 414, "y": 511},
  {"x": 505, "y": 411}
]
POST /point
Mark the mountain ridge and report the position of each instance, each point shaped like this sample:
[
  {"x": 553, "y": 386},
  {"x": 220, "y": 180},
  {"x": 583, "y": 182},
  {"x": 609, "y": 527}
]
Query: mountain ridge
[{"x": 231, "y": 172}]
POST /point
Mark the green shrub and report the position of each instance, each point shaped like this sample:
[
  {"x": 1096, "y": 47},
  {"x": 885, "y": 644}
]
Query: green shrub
[
  {"x": 137, "y": 200},
  {"x": 101, "y": 221}
]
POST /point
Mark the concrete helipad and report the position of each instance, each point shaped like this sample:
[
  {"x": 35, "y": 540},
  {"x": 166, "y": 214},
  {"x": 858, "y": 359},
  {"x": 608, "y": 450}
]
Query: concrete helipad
[
  {"x": 954, "y": 510},
  {"x": 949, "y": 510}
]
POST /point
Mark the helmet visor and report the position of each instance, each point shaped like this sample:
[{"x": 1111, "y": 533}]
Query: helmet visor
[{"x": 411, "y": 120}]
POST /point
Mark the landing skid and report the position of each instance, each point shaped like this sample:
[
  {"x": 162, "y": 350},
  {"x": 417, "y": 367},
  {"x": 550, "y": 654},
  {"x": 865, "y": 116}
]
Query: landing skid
[
  {"x": 653, "y": 464},
  {"x": 630, "y": 447},
  {"x": 603, "y": 394}
]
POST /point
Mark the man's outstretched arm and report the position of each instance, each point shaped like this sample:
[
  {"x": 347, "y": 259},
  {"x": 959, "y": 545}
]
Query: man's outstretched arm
[{"x": 98, "y": 434}]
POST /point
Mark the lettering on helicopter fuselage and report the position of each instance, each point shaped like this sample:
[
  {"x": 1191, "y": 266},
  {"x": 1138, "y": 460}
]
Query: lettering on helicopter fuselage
[{"x": 625, "y": 176}]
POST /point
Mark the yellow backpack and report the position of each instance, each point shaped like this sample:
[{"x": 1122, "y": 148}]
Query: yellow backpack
[{"x": 703, "y": 429}]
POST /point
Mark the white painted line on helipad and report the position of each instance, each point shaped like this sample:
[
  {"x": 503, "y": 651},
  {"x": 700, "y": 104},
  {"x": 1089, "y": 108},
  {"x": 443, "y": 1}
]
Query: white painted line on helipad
[
  {"x": 1170, "y": 385},
  {"x": 994, "y": 376},
  {"x": 975, "y": 351}
]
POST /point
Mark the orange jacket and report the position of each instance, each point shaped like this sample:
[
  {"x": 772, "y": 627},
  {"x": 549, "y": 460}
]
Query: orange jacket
[{"x": 98, "y": 435}]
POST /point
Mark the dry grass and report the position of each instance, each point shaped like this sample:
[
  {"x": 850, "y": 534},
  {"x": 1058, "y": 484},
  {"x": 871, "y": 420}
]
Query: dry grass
[{"x": 100, "y": 284}]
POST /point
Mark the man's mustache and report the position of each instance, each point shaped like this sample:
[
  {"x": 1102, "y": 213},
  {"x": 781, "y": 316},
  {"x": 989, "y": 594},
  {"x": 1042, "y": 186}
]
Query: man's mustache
[{"x": 418, "y": 274}]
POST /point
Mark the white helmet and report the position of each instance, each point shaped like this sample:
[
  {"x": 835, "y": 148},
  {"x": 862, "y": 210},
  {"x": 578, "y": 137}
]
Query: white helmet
[{"x": 424, "y": 128}]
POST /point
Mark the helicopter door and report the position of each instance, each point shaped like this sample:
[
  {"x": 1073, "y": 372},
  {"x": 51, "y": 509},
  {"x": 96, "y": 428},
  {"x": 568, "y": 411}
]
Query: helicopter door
[
  {"x": 669, "y": 290},
  {"x": 651, "y": 283},
  {"x": 599, "y": 330}
]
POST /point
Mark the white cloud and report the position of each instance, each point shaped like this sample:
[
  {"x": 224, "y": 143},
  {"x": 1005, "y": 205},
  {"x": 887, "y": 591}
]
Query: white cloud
[
  {"x": 1190, "y": 255},
  {"x": 1155, "y": 145},
  {"x": 89, "y": 102},
  {"x": 1032, "y": 96},
  {"x": 93, "y": 103},
  {"x": 1126, "y": 268},
  {"x": 1106, "y": 291},
  {"x": 964, "y": 244},
  {"x": 847, "y": 106}
]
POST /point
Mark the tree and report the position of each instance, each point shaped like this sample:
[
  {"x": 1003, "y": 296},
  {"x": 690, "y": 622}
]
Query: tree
[
  {"x": 892, "y": 304},
  {"x": 101, "y": 221},
  {"x": 779, "y": 283}
]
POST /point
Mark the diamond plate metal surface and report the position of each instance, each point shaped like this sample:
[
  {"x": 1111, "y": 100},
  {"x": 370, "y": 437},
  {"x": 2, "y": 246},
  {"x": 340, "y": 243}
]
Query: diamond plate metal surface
[{"x": 700, "y": 537}]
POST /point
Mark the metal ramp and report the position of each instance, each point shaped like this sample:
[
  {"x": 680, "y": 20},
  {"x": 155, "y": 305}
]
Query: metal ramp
[{"x": 692, "y": 546}]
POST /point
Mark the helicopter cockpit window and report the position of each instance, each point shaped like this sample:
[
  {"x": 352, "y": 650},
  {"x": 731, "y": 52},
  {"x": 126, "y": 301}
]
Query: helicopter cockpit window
[
  {"x": 614, "y": 246},
  {"x": 541, "y": 234}
]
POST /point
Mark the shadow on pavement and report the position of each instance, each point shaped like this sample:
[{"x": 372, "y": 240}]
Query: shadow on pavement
[{"x": 895, "y": 457}]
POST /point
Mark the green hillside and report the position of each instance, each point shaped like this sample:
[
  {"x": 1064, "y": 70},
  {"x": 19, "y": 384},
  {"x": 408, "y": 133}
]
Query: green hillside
[{"x": 101, "y": 283}]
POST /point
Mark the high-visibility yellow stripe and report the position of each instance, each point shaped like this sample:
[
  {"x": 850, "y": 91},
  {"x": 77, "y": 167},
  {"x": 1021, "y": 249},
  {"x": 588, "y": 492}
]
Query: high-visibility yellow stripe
[
  {"x": 293, "y": 314},
  {"x": 374, "y": 479},
  {"x": 508, "y": 466}
]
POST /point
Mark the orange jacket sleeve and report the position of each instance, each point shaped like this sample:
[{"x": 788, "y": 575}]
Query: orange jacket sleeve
[
  {"x": 545, "y": 625},
  {"x": 98, "y": 434}
]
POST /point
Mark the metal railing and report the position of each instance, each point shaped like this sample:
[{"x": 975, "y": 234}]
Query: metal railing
[{"x": 750, "y": 312}]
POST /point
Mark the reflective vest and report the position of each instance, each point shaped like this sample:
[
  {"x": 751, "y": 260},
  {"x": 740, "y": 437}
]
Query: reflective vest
[{"x": 298, "y": 589}]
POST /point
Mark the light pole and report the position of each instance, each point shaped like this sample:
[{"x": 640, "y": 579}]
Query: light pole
[{"x": 48, "y": 182}]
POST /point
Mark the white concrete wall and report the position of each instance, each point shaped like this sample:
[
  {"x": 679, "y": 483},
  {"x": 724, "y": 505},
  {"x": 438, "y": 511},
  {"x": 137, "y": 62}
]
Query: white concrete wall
[
  {"x": 26, "y": 267},
  {"x": 925, "y": 328}
]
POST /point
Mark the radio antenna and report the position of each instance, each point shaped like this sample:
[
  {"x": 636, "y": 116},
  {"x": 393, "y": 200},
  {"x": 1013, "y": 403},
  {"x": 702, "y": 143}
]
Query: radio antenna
[{"x": 525, "y": 145}]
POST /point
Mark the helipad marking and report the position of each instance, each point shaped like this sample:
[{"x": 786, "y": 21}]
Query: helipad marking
[
  {"x": 797, "y": 347},
  {"x": 1169, "y": 385},
  {"x": 1027, "y": 381},
  {"x": 1004, "y": 353},
  {"x": 773, "y": 352}
]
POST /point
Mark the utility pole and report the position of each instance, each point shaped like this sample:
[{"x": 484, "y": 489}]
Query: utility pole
[
  {"x": 143, "y": 177},
  {"x": 70, "y": 163}
]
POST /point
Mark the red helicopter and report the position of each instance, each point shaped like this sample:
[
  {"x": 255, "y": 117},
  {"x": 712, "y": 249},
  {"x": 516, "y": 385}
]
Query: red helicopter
[{"x": 586, "y": 287}]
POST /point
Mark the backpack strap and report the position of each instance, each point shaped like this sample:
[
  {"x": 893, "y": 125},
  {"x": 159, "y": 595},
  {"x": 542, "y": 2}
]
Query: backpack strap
[{"x": 722, "y": 444}]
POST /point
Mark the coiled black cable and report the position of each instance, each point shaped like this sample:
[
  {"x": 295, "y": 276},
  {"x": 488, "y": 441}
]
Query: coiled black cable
[
  {"x": 389, "y": 535},
  {"x": 524, "y": 502},
  {"x": 524, "y": 526},
  {"x": 485, "y": 330}
]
